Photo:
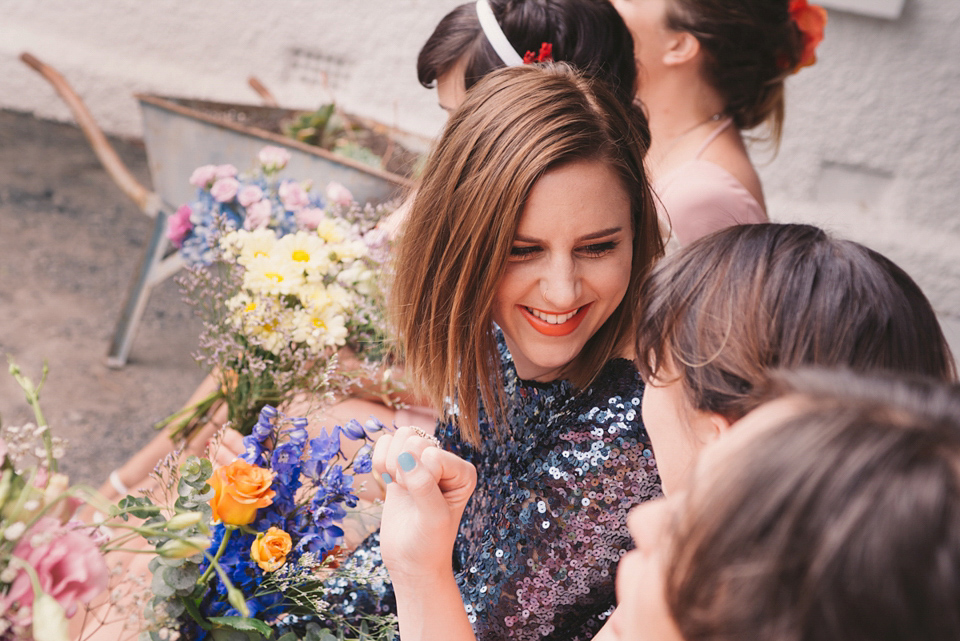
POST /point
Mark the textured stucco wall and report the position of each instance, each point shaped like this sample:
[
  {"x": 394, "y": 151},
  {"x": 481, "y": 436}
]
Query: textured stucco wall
[{"x": 870, "y": 148}]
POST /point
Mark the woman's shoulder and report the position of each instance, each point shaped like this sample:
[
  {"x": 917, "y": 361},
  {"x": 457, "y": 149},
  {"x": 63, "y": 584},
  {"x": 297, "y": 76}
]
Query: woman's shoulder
[{"x": 700, "y": 197}]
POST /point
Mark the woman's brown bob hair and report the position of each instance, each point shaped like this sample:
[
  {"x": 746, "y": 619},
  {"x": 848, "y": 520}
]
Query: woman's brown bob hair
[
  {"x": 840, "y": 522},
  {"x": 731, "y": 307},
  {"x": 515, "y": 125}
]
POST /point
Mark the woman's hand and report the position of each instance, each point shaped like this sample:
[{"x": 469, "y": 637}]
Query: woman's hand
[
  {"x": 427, "y": 491},
  {"x": 425, "y": 499}
]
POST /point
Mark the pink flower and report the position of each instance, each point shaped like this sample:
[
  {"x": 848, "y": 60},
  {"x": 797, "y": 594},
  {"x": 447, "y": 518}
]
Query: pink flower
[
  {"x": 293, "y": 195},
  {"x": 179, "y": 225},
  {"x": 258, "y": 215},
  {"x": 249, "y": 194},
  {"x": 309, "y": 217},
  {"x": 226, "y": 171},
  {"x": 203, "y": 176},
  {"x": 274, "y": 158},
  {"x": 338, "y": 194},
  {"x": 224, "y": 189},
  {"x": 68, "y": 564}
]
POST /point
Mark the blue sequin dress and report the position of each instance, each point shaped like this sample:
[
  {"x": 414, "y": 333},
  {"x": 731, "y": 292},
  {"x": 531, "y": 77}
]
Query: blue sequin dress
[{"x": 540, "y": 539}]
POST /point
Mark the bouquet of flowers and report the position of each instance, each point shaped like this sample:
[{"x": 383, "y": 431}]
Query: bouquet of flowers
[
  {"x": 49, "y": 564},
  {"x": 284, "y": 280},
  {"x": 275, "y": 514}
]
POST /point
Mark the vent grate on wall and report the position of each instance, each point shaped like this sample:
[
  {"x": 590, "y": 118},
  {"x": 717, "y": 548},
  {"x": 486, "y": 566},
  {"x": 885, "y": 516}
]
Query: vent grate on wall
[{"x": 314, "y": 67}]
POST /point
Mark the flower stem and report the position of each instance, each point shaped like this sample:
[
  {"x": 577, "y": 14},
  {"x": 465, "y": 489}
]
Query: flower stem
[
  {"x": 32, "y": 393},
  {"x": 223, "y": 547}
]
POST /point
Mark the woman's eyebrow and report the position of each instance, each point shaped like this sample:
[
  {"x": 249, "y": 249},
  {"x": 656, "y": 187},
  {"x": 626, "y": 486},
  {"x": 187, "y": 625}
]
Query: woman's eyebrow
[{"x": 603, "y": 233}]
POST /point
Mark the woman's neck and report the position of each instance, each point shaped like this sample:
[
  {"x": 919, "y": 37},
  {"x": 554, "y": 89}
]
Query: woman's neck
[{"x": 678, "y": 107}]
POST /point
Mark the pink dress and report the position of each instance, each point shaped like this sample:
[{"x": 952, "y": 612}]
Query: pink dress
[{"x": 700, "y": 197}]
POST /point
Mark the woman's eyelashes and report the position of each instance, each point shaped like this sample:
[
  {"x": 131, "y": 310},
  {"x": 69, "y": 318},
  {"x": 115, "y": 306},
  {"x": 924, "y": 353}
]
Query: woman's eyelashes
[{"x": 593, "y": 250}]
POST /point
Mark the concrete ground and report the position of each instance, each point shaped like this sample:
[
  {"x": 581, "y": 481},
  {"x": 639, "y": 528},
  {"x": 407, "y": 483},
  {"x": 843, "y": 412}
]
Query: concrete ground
[{"x": 69, "y": 244}]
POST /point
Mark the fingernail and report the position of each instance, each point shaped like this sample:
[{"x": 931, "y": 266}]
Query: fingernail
[
  {"x": 406, "y": 461},
  {"x": 386, "y": 478}
]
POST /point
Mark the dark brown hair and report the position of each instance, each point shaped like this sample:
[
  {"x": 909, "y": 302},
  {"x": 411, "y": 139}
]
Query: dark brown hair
[
  {"x": 750, "y": 47},
  {"x": 840, "y": 523},
  {"x": 515, "y": 125},
  {"x": 730, "y": 308},
  {"x": 588, "y": 34}
]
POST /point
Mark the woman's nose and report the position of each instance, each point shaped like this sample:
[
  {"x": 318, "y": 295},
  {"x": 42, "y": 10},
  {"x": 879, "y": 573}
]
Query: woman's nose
[{"x": 560, "y": 286}]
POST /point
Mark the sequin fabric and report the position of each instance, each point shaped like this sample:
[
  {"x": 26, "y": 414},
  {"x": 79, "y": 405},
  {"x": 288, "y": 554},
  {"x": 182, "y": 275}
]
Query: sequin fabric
[{"x": 541, "y": 537}]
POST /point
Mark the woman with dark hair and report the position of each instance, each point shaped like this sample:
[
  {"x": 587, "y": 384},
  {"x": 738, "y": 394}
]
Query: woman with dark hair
[
  {"x": 709, "y": 70},
  {"x": 514, "y": 302},
  {"x": 831, "y": 514},
  {"x": 721, "y": 315},
  {"x": 478, "y": 37}
]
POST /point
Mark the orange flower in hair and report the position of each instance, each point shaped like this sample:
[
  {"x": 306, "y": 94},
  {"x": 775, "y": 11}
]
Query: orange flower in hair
[{"x": 811, "y": 20}]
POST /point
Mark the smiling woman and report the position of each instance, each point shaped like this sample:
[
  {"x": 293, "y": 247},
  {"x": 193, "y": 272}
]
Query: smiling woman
[{"x": 517, "y": 279}]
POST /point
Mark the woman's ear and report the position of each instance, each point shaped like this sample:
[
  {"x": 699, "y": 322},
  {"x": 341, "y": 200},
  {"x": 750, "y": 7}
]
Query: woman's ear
[
  {"x": 717, "y": 425},
  {"x": 682, "y": 47}
]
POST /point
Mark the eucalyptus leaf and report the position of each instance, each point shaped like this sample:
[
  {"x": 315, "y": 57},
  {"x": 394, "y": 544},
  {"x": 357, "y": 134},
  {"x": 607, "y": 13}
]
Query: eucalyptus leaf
[
  {"x": 159, "y": 587},
  {"x": 243, "y": 624},
  {"x": 181, "y": 578}
]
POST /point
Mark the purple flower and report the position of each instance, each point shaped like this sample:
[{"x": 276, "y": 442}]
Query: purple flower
[
  {"x": 363, "y": 463},
  {"x": 353, "y": 430},
  {"x": 297, "y": 434}
]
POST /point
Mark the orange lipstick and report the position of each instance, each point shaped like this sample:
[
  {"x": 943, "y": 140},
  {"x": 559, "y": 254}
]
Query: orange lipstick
[{"x": 559, "y": 329}]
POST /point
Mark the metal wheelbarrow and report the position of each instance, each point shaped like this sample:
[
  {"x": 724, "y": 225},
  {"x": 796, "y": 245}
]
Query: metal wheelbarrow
[{"x": 181, "y": 135}]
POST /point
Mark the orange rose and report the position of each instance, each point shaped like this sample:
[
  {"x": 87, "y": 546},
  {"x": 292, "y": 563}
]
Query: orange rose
[
  {"x": 270, "y": 549},
  {"x": 811, "y": 20},
  {"x": 240, "y": 489}
]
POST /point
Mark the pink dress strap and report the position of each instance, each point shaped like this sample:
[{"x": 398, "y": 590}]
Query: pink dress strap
[{"x": 713, "y": 136}]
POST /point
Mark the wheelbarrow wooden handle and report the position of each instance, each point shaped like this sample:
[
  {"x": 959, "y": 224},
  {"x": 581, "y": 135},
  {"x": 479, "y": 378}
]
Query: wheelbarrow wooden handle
[
  {"x": 105, "y": 152},
  {"x": 262, "y": 91}
]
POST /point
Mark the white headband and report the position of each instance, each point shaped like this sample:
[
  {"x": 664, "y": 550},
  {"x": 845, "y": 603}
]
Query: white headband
[{"x": 495, "y": 36}]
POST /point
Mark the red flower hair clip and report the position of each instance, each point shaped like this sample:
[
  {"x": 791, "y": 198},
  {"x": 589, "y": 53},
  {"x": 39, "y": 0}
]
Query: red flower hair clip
[
  {"x": 811, "y": 21},
  {"x": 545, "y": 54}
]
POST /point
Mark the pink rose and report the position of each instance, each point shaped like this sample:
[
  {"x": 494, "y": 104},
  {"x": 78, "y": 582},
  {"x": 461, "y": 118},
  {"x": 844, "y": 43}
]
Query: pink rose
[
  {"x": 338, "y": 194},
  {"x": 249, "y": 195},
  {"x": 274, "y": 158},
  {"x": 309, "y": 217},
  {"x": 224, "y": 189},
  {"x": 203, "y": 176},
  {"x": 293, "y": 195},
  {"x": 179, "y": 225},
  {"x": 226, "y": 171},
  {"x": 69, "y": 565},
  {"x": 258, "y": 215}
]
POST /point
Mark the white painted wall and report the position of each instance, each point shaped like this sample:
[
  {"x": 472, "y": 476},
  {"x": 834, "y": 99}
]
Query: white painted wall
[{"x": 870, "y": 148}]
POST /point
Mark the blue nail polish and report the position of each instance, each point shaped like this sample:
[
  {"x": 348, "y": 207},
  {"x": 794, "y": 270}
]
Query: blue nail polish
[
  {"x": 386, "y": 478},
  {"x": 406, "y": 461}
]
